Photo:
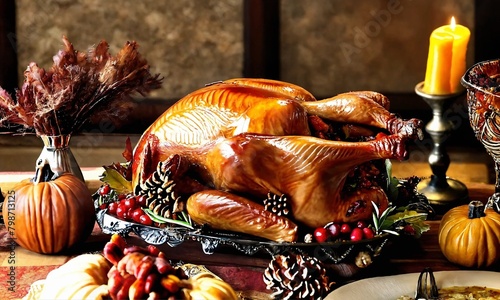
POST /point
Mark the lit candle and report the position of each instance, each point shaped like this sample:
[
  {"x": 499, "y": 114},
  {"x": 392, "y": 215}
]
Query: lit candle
[{"x": 447, "y": 59}]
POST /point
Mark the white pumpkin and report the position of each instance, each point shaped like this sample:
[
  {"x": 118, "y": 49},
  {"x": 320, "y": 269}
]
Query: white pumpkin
[{"x": 83, "y": 277}]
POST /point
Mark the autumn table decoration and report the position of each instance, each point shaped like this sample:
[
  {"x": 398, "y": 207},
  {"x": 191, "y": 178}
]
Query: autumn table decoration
[
  {"x": 78, "y": 88},
  {"x": 262, "y": 166},
  {"x": 296, "y": 277},
  {"x": 483, "y": 98},
  {"x": 468, "y": 235},
  {"x": 54, "y": 210},
  {"x": 51, "y": 215}
]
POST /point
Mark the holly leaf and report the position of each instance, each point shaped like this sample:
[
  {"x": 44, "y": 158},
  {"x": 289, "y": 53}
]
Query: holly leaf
[
  {"x": 116, "y": 180},
  {"x": 407, "y": 215},
  {"x": 412, "y": 217},
  {"x": 420, "y": 227}
]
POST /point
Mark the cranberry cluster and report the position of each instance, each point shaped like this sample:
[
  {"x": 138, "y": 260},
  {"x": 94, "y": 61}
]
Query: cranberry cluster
[
  {"x": 344, "y": 231},
  {"x": 127, "y": 207}
]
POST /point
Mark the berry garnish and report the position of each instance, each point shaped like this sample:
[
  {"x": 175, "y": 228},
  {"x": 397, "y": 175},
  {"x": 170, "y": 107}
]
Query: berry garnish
[
  {"x": 145, "y": 220},
  {"x": 112, "y": 208},
  {"x": 121, "y": 211},
  {"x": 368, "y": 233},
  {"x": 321, "y": 234},
  {"x": 141, "y": 201},
  {"x": 130, "y": 202},
  {"x": 361, "y": 224},
  {"x": 136, "y": 214},
  {"x": 408, "y": 229},
  {"x": 345, "y": 228},
  {"x": 356, "y": 234},
  {"x": 104, "y": 190},
  {"x": 333, "y": 230}
]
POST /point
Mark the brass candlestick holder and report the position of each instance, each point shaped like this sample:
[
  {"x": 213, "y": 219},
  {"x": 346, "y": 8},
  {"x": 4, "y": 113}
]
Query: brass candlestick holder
[{"x": 442, "y": 191}]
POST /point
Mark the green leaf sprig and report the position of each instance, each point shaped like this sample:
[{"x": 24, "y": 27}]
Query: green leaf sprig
[
  {"x": 184, "y": 219},
  {"x": 379, "y": 223},
  {"x": 410, "y": 217},
  {"x": 112, "y": 196}
]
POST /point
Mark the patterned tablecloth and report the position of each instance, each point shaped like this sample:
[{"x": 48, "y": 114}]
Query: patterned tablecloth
[{"x": 20, "y": 268}]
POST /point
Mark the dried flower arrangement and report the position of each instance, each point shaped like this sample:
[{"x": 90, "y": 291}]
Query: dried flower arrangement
[{"x": 78, "y": 88}]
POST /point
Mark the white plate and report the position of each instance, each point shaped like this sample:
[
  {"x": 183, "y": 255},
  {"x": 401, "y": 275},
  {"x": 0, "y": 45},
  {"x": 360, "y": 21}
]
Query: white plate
[{"x": 392, "y": 287}]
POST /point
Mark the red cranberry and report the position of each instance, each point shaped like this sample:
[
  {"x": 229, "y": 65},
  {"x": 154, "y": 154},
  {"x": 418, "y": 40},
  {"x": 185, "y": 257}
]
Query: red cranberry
[
  {"x": 345, "y": 228},
  {"x": 104, "y": 190},
  {"x": 141, "y": 201},
  {"x": 361, "y": 224},
  {"x": 145, "y": 220},
  {"x": 112, "y": 208},
  {"x": 356, "y": 234},
  {"x": 408, "y": 229},
  {"x": 121, "y": 211},
  {"x": 368, "y": 233},
  {"x": 321, "y": 234},
  {"x": 136, "y": 214},
  {"x": 334, "y": 230},
  {"x": 130, "y": 202}
]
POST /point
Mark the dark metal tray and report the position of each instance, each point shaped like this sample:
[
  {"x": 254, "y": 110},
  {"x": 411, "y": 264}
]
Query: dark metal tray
[{"x": 212, "y": 241}]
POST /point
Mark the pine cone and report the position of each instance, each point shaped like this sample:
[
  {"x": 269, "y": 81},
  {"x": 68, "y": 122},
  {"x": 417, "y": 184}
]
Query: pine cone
[
  {"x": 296, "y": 277},
  {"x": 159, "y": 192},
  {"x": 277, "y": 204}
]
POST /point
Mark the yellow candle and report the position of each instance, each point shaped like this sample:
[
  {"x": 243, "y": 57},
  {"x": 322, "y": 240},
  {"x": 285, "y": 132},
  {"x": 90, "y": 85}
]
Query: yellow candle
[{"x": 446, "y": 62}]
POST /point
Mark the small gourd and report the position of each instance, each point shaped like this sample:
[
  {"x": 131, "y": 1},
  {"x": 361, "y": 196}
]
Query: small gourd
[
  {"x": 49, "y": 215},
  {"x": 207, "y": 286},
  {"x": 469, "y": 235}
]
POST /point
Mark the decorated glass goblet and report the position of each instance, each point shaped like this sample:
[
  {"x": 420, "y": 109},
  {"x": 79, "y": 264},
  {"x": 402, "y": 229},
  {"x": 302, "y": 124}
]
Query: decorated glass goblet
[{"x": 482, "y": 82}]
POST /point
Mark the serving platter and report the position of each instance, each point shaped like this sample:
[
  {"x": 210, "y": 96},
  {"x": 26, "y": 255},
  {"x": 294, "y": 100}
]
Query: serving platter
[
  {"x": 211, "y": 241},
  {"x": 344, "y": 257}
]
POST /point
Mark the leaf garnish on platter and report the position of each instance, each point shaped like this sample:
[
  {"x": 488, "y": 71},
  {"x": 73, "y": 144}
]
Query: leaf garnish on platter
[
  {"x": 394, "y": 220},
  {"x": 112, "y": 196},
  {"x": 379, "y": 219},
  {"x": 410, "y": 217},
  {"x": 113, "y": 176},
  {"x": 184, "y": 221}
]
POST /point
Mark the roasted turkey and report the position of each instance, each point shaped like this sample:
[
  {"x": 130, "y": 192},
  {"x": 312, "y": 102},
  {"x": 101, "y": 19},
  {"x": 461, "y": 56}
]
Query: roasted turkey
[{"x": 243, "y": 139}]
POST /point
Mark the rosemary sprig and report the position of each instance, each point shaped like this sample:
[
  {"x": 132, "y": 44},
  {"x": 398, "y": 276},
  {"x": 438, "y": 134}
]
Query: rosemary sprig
[
  {"x": 186, "y": 222},
  {"x": 379, "y": 219}
]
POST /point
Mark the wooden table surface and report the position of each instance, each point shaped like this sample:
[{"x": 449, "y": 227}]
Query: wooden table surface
[{"x": 403, "y": 255}]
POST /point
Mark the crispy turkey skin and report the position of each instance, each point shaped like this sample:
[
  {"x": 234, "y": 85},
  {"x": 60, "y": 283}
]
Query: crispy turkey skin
[{"x": 245, "y": 138}]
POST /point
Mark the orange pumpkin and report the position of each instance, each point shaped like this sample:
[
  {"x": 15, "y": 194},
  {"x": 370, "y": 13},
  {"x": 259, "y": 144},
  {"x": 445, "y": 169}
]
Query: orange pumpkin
[
  {"x": 469, "y": 235},
  {"x": 50, "y": 215}
]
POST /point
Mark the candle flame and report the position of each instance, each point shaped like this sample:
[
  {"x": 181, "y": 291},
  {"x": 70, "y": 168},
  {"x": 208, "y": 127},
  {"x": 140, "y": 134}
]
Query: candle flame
[{"x": 453, "y": 24}]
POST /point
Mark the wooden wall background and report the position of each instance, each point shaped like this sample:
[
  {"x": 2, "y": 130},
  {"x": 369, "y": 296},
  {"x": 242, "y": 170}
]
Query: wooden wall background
[{"x": 266, "y": 27}]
